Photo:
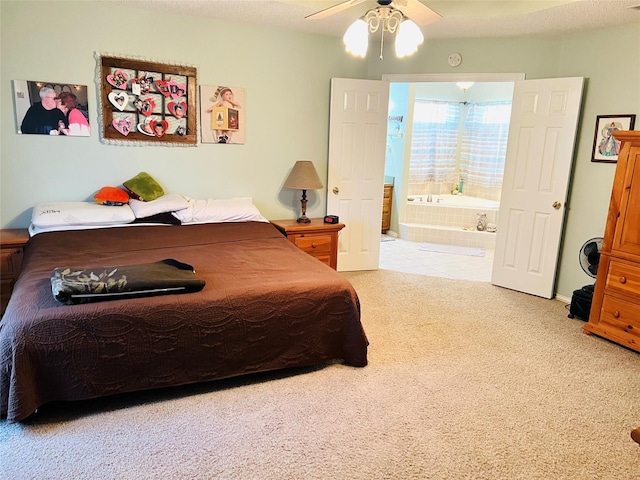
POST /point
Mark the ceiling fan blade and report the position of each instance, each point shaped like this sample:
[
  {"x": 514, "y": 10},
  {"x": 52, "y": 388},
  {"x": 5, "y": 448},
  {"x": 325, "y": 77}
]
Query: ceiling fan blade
[
  {"x": 416, "y": 11},
  {"x": 333, "y": 10}
]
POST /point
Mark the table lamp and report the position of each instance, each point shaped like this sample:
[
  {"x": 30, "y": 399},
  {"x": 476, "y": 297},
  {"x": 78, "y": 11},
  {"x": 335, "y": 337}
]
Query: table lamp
[{"x": 303, "y": 177}]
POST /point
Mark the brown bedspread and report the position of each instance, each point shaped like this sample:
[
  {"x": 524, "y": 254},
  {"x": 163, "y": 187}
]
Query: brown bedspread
[{"x": 266, "y": 306}]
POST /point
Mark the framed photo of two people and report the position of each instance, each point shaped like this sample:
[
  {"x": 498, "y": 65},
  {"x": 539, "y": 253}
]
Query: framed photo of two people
[{"x": 51, "y": 108}]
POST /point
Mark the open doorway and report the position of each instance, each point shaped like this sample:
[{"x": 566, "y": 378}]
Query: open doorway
[
  {"x": 440, "y": 198},
  {"x": 540, "y": 154}
]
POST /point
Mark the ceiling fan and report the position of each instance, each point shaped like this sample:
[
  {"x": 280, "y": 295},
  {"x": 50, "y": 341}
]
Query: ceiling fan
[
  {"x": 413, "y": 9},
  {"x": 400, "y": 17}
]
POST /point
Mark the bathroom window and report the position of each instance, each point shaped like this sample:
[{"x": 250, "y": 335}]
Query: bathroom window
[
  {"x": 458, "y": 142},
  {"x": 484, "y": 143},
  {"x": 434, "y": 142}
]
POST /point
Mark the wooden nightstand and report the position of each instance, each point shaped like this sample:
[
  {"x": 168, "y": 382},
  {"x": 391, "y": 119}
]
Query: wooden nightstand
[
  {"x": 317, "y": 238},
  {"x": 12, "y": 244}
]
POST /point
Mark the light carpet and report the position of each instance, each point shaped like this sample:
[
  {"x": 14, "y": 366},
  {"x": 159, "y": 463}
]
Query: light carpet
[
  {"x": 451, "y": 249},
  {"x": 466, "y": 381}
]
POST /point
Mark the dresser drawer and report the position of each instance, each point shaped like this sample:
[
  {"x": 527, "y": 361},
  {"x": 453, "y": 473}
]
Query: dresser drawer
[
  {"x": 386, "y": 207},
  {"x": 623, "y": 278},
  {"x": 10, "y": 262},
  {"x": 6, "y": 262},
  {"x": 316, "y": 245},
  {"x": 12, "y": 244},
  {"x": 621, "y": 319}
]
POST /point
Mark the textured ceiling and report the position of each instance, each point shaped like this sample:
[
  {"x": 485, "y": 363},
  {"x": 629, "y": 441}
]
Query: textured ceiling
[{"x": 460, "y": 18}]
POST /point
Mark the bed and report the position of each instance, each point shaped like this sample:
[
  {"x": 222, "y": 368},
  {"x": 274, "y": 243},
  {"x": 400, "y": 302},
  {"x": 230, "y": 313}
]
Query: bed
[{"x": 266, "y": 306}]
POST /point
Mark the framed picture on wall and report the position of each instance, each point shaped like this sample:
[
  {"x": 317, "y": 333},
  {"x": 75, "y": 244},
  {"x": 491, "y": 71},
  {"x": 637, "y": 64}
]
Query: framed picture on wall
[
  {"x": 222, "y": 114},
  {"x": 606, "y": 147},
  {"x": 147, "y": 102},
  {"x": 51, "y": 108}
]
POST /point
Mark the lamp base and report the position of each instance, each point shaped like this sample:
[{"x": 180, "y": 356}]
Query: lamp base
[{"x": 303, "y": 218}]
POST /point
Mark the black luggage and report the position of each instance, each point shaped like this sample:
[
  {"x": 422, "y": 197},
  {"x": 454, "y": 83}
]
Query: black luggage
[{"x": 581, "y": 303}]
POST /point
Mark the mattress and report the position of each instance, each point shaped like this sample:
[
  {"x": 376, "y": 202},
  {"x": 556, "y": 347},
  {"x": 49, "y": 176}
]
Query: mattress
[{"x": 266, "y": 305}]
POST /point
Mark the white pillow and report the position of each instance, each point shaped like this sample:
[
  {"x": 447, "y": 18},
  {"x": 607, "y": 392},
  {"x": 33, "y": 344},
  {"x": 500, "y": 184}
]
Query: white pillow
[
  {"x": 166, "y": 203},
  {"x": 219, "y": 211},
  {"x": 33, "y": 230},
  {"x": 55, "y": 214}
]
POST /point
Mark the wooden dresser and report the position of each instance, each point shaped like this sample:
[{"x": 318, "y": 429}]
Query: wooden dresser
[
  {"x": 386, "y": 207},
  {"x": 615, "y": 311},
  {"x": 317, "y": 238},
  {"x": 12, "y": 242}
]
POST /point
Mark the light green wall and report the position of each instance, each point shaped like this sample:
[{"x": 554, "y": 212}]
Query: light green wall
[
  {"x": 535, "y": 56},
  {"x": 612, "y": 87},
  {"x": 287, "y": 79},
  {"x": 609, "y": 61},
  {"x": 286, "y": 76}
]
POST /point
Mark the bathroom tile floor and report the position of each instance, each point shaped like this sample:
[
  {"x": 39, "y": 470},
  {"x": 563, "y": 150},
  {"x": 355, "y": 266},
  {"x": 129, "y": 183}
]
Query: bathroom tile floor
[{"x": 405, "y": 256}]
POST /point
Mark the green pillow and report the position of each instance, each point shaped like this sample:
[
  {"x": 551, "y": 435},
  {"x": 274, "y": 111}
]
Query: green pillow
[{"x": 143, "y": 187}]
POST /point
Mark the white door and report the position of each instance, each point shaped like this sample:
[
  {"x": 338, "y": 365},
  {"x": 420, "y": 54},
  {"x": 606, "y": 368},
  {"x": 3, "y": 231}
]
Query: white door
[
  {"x": 355, "y": 177},
  {"x": 542, "y": 135}
]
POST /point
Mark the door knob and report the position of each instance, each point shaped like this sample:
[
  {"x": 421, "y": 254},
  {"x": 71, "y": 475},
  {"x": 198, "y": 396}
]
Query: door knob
[
  {"x": 336, "y": 190},
  {"x": 556, "y": 205}
]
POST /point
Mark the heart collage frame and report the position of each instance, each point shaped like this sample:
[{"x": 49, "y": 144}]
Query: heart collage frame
[{"x": 148, "y": 101}]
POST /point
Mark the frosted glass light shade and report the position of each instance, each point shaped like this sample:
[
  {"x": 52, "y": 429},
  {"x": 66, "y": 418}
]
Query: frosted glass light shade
[
  {"x": 464, "y": 85},
  {"x": 356, "y": 38},
  {"x": 408, "y": 39}
]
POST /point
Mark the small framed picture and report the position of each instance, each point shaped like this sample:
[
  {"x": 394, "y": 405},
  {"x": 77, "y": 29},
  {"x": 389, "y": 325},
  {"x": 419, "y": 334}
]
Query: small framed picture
[
  {"x": 222, "y": 114},
  {"x": 606, "y": 147}
]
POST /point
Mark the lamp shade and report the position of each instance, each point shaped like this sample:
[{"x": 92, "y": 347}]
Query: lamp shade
[
  {"x": 408, "y": 39},
  {"x": 464, "y": 85},
  {"x": 303, "y": 176},
  {"x": 356, "y": 38}
]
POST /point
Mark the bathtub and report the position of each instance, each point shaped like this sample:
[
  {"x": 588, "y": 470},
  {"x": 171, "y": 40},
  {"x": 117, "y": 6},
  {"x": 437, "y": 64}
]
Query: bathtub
[
  {"x": 456, "y": 201},
  {"x": 448, "y": 219}
]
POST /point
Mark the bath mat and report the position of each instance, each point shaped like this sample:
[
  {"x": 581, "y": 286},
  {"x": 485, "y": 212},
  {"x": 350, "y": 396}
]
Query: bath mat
[
  {"x": 386, "y": 238},
  {"x": 452, "y": 249}
]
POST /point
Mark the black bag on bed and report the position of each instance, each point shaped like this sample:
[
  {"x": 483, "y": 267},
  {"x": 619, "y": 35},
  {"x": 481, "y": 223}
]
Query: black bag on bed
[{"x": 83, "y": 285}]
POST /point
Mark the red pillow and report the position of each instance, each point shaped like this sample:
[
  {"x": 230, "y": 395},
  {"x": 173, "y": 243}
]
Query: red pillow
[{"x": 111, "y": 196}]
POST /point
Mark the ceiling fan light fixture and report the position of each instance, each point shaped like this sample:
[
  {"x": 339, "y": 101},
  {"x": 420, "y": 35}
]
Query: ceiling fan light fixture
[
  {"x": 356, "y": 38},
  {"x": 385, "y": 19},
  {"x": 408, "y": 38}
]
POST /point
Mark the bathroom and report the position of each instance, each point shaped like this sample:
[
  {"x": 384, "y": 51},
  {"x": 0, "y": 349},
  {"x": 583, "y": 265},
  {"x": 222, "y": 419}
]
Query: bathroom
[{"x": 447, "y": 192}]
